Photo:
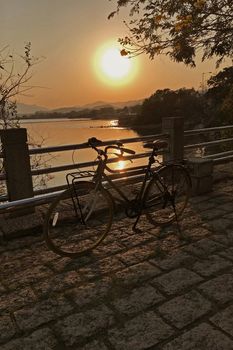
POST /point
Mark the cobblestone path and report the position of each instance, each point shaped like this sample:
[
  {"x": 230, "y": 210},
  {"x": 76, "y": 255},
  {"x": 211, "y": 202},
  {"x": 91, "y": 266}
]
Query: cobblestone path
[{"x": 145, "y": 290}]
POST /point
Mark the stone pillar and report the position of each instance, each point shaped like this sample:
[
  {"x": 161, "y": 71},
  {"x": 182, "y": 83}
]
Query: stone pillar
[
  {"x": 17, "y": 163},
  {"x": 175, "y": 128},
  {"x": 201, "y": 171}
]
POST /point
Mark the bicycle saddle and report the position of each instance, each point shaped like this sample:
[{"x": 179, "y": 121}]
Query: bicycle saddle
[
  {"x": 157, "y": 144},
  {"x": 93, "y": 141}
]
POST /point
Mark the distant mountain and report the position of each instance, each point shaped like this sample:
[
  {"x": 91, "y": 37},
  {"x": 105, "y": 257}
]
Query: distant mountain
[
  {"x": 97, "y": 105},
  {"x": 31, "y": 109},
  {"x": 22, "y": 108},
  {"x": 127, "y": 103},
  {"x": 67, "y": 109}
]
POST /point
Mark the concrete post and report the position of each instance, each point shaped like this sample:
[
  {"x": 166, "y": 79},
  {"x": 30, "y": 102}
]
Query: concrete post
[
  {"x": 201, "y": 171},
  {"x": 17, "y": 163},
  {"x": 175, "y": 128}
]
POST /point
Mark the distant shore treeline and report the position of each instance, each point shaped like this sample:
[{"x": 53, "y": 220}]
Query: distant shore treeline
[
  {"x": 91, "y": 113},
  {"x": 211, "y": 106}
]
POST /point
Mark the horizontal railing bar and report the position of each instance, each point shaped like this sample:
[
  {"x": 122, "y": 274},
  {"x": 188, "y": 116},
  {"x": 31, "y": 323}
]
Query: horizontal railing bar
[
  {"x": 3, "y": 198},
  {"x": 130, "y": 171},
  {"x": 47, "y": 198},
  {"x": 85, "y": 145},
  {"x": 208, "y": 143},
  {"x": 223, "y": 159},
  {"x": 86, "y": 164},
  {"x": 219, "y": 155},
  {"x": 50, "y": 190},
  {"x": 27, "y": 202},
  {"x": 205, "y": 130}
]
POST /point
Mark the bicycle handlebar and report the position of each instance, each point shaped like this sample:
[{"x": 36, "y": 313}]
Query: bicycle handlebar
[{"x": 94, "y": 142}]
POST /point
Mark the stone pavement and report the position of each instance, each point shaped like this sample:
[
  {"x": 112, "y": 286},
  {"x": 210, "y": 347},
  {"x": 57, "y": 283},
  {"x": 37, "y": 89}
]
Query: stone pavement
[{"x": 145, "y": 290}]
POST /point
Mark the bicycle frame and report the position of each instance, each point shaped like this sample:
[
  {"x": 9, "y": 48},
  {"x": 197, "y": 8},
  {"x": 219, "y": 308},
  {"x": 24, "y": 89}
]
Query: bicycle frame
[
  {"x": 100, "y": 177},
  {"x": 137, "y": 205}
]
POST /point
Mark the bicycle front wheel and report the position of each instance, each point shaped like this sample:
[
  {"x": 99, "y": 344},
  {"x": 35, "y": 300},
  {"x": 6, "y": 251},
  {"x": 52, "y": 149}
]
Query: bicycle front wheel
[
  {"x": 78, "y": 219},
  {"x": 167, "y": 194}
]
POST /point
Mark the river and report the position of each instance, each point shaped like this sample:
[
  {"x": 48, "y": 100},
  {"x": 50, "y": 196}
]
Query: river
[{"x": 66, "y": 131}]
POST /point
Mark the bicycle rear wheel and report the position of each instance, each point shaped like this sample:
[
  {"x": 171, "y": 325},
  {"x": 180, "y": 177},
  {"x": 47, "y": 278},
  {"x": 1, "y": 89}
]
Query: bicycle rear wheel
[
  {"x": 78, "y": 220},
  {"x": 167, "y": 194}
]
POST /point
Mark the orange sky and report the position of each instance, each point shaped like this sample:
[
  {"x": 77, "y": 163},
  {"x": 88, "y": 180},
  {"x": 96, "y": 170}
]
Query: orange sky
[{"x": 68, "y": 34}]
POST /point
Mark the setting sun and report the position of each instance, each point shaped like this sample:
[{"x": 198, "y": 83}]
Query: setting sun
[{"x": 112, "y": 67}]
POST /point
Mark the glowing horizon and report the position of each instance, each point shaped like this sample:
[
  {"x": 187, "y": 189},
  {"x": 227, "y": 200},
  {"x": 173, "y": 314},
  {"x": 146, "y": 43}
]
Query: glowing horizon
[{"x": 74, "y": 40}]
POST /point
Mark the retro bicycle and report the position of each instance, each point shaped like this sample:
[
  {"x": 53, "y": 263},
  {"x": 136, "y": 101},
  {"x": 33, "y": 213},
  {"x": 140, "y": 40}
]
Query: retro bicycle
[{"x": 79, "y": 218}]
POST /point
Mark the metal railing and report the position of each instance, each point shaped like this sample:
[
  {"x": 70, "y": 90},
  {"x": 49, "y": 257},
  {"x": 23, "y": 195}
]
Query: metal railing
[
  {"x": 219, "y": 157},
  {"x": 44, "y": 196},
  {"x": 172, "y": 130}
]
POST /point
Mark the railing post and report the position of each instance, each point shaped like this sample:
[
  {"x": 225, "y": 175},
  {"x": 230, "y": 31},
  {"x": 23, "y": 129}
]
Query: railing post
[
  {"x": 175, "y": 128},
  {"x": 17, "y": 163},
  {"x": 201, "y": 171}
]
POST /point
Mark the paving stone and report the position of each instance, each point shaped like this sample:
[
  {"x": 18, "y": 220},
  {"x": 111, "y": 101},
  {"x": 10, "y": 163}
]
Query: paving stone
[
  {"x": 137, "y": 300},
  {"x": 185, "y": 309},
  {"x": 198, "y": 199},
  {"x": 225, "y": 238},
  {"x": 9, "y": 267},
  {"x": 191, "y": 221},
  {"x": 229, "y": 216},
  {"x": 227, "y": 253},
  {"x": 28, "y": 276},
  {"x": 101, "y": 267},
  {"x": 211, "y": 265},
  {"x": 228, "y": 207},
  {"x": 57, "y": 283},
  {"x": 79, "y": 326},
  {"x": 220, "y": 288},
  {"x": 136, "y": 274},
  {"x": 136, "y": 255},
  {"x": 42, "y": 339},
  {"x": 220, "y": 224},
  {"x": 2, "y": 289},
  {"x": 204, "y": 205},
  {"x": 133, "y": 240},
  {"x": 176, "y": 281},
  {"x": 90, "y": 293},
  {"x": 42, "y": 312},
  {"x": 174, "y": 261},
  {"x": 141, "y": 332},
  {"x": 95, "y": 345},
  {"x": 7, "y": 329},
  {"x": 212, "y": 214},
  {"x": 12, "y": 301},
  {"x": 204, "y": 247},
  {"x": 202, "y": 337},
  {"x": 62, "y": 265},
  {"x": 109, "y": 248},
  {"x": 224, "y": 320}
]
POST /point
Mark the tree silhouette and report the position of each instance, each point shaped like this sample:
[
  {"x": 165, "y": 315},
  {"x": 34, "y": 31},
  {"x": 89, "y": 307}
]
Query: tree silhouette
[{"x": 179, "y": 28}]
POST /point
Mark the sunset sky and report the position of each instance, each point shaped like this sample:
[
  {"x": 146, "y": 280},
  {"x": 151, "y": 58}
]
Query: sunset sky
[{"x": 77, "y": 42}]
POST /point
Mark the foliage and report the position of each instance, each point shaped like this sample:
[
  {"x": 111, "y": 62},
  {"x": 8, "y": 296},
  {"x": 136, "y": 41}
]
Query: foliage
[
  {"x": 220, "y": 96},
  {"x": 13, "y": 82},
  {"x": 187, "y": 103},
  {"x": 15, "y": 73},
  {"x": 179, "y": 29}
]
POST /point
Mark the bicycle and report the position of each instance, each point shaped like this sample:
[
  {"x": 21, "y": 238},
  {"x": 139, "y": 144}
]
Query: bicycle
[{"x": 79, "y": 219}]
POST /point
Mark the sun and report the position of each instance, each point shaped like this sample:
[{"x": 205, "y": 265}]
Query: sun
[
  {"x": 113, "y": 68},
  {"x": 114, "y": 65}
]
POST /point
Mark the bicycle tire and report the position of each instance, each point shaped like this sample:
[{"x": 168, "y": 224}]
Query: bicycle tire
[
  {"x": 78, "y": 220},
  {"x": 159, "y": 209}
]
